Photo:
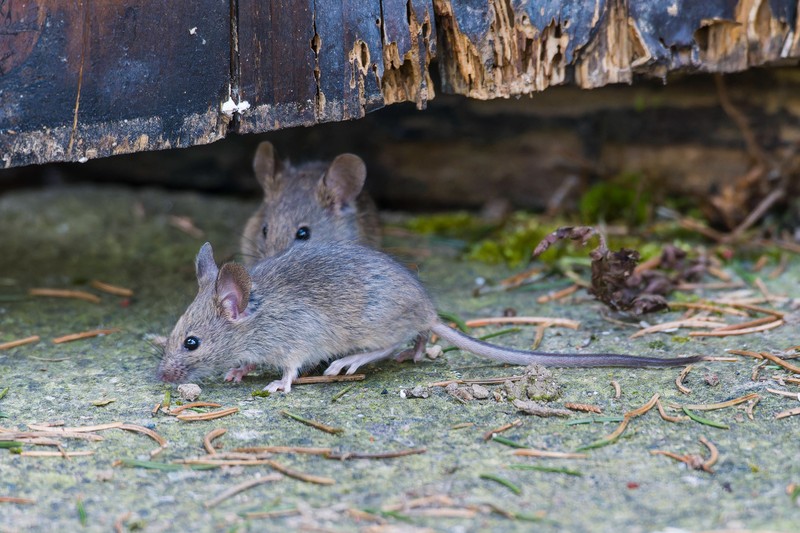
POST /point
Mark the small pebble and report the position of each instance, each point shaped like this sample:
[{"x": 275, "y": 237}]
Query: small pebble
[
  {"x": 712, "y": 379},
  {"x": 479, "y": 392},
  {"x": 189, "y": 391},
  {"x": 433, "y": 351},
  {"x": 416, "y": 392}
]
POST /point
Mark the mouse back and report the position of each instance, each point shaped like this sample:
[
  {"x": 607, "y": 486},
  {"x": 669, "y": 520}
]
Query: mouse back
[{"x": 313, "y": 202}]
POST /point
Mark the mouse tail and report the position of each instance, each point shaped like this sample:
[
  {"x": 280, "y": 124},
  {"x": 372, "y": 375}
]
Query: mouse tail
[{"x": 523, "y": 357}]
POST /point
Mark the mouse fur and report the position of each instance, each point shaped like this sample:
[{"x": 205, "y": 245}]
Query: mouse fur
[
  {"x": 330, "y": 301},
  {"x": 327, "y": 200}
]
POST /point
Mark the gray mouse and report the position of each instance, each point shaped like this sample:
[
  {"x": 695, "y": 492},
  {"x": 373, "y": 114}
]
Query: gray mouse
[
  {"x": 331, "y": 301},
  {"x": 311, "y": 202}
]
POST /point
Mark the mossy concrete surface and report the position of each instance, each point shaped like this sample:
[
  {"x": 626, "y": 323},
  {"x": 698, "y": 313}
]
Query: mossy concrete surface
[{"x": 64, "y": 238}]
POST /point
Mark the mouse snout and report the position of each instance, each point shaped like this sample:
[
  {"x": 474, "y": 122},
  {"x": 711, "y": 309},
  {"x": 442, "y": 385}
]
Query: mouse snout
[{"x": 171, "y": 373}]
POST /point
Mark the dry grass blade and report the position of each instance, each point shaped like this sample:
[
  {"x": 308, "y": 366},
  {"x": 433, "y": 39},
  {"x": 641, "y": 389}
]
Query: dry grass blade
[
  {"x": 730, "y": 332},
  {"x": 186, "y": 225},
  {"x": 531, "y": 452},
  {"x": 757, "y": 309},
  {"x": 617, "y": 390},
  {"x": 558, "y": 295},
  {"x": 300, "y": 475},
  {"x": 613, "y": 436},
  {"x": 504, "y": 320},
  {"x": 313, "y": 423},
  {"x": 37, "y": 453},
  {"x": 161, "y": 441},
  {"x": 19, "y": 342},
  {"x": 85, "y": 335},
  {"x": 197, "y": 417},
  {"x": 787, "y": 394},
  {"x": 192, "y": 405},
  {"x": 62, "y": 293},
  {"x": 780, "y": 362},
  {"x": 715, "y": 406},
  {"x": 788, "y": 413},
  {"x": 748, "y": 324},
  {"x": 210, "y": 436},
  {"x": 241, "y": 488},
  {"x": 344, "y": 456},
  {"x": 676, "y": 324},
  {"x": 706, "y": 307},
  {"x": 488, "y": 435},
  {"x": 667, "y": 417},
  {"x": 111, "y": 289},
  {"x": 311, "y": 380},
  {"x": 285, "y": 449},
  {"x": 77, "y": 429},
  {"x": 681, "y": 377},
  {"x": 15, "y": 499},
  {"x": 444, "y": 512},
  {"x": 712, "y": 460}
]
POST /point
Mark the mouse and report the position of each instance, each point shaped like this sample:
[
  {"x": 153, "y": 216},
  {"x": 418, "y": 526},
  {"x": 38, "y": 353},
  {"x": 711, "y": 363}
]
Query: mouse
[
  {"x": 311, "y": 202},
  {"x": 334, "y": 301}
]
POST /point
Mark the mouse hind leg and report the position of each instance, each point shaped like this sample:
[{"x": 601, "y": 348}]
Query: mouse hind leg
[
  {"x": 417, "y": 352},
  {"x": 285, "y": 383},
  {"x": 353, "y": 362}
]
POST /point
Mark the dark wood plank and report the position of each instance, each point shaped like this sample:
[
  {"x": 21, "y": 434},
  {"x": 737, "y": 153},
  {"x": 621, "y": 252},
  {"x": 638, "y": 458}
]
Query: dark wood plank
[{"x": 85, "y": 79}]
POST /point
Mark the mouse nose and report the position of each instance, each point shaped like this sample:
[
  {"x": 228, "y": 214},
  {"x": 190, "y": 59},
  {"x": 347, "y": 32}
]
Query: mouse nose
[{"x": 169, "y": 373}]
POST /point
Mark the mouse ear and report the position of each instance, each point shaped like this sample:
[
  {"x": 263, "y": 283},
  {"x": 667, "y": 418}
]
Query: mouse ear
[
  {"x": 266, "y": 165},
  {"x": 343, "y": 180},
  {"x": 205, "y": 266},
  {"x": 233, "y": 289}
]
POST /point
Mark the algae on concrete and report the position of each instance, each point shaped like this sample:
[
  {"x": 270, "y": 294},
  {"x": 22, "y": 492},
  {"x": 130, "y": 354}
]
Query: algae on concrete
[{"x": 65, "y": 237}]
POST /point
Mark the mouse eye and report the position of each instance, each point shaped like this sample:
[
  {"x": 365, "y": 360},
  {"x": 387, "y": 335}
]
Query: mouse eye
[
  {"x": 191, "y": 343},
  {"x": 264, "y": 231},
  {"x": 303, "y": 233}
]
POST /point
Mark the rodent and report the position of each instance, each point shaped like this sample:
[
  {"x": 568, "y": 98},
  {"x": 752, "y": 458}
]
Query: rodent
[
  {"x": 331, "y": 301},
  {"x": 312, "y": 202}
]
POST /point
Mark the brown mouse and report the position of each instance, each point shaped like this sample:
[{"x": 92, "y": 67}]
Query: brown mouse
[
  {"x": 330, "y": 301},
  {"x": 312, "y": 202}
]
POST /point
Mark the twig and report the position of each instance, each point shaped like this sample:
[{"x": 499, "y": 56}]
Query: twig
[
  {"x": 706, "y": 307},
  {"x": 561, "y": 322},
  {"x": 241, "y": 488},
  {"x": 788, "y": 413},
  {"x": 313, "y": 423},
  {"x": 795, "y": 395},
  {"x": 312, "y": 380},
  {"x": 344, "y": 456},
  {"x": 743, "y": 331},
  {"x": 531, "y": 452},
  {"x": 762, "y": 207},
  {"x": 210, "y": 436},
  {"x": 300, "y": 475},
  {"x": 780, "y": 362},
  {"x": 489, "y": 434},
  {"x": 195, "y": 417},
  {"x": 676, "y": 324},
  {"x": 617, "y": 389},
  {"x": 62, "y": 293},
  {"x": 680, "y": 378},
  {"x": 19, "y": 342},
  {"x": 751, "y": 323},
  {"x": 185, "y": 224},
  {"x": 757, "y": 309},
  {"x": 85, "y": 335},
  {"x": 111, "y": 289},
  {"x": 557, "y": 295}
]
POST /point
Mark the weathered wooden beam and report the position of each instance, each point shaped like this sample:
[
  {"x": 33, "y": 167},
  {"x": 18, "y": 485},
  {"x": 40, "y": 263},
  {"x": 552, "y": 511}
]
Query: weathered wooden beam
[
  {"x": 88, "y": 79},
  {"x": 502, "y": 48}
]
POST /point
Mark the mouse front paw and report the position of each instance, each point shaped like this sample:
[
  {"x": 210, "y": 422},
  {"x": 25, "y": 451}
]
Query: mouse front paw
[{"x": 236, "y": 374}]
